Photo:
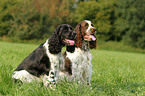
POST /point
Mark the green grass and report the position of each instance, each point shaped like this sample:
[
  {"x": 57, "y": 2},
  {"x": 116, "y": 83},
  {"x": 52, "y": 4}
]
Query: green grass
[
  {"x": 118, "y": 46},
  {"x": 114, "y": 74}
]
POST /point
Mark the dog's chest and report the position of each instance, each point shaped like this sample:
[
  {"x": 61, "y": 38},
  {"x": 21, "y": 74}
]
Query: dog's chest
[
  {"x": 55, "y": 59},
  {"x": 80, "y": 59}
]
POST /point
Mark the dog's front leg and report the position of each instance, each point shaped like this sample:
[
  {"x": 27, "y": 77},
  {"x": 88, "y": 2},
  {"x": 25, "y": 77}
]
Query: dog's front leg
[{"x": 50, "y": 81}]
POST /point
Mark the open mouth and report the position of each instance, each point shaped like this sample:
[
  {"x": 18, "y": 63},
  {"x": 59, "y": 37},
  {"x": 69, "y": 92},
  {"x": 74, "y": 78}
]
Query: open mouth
[
  {"x": 69, "y": 42},
  {"x": 89, "y": 38}
]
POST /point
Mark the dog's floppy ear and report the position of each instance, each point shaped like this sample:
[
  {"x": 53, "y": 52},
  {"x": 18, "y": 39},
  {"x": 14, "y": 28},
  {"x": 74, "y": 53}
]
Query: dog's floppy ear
[
  {"x": 79, "y": 37},
  {"x": 54, "y": 41}
]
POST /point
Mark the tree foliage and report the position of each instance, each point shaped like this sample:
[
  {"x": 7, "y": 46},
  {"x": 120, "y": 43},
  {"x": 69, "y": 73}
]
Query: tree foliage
[
  {"x": 122, "y": 20},
  {"x": 130, "y": 21},
  {"x": 37, "y": 18},
  {"x": 5, "y": 16}
]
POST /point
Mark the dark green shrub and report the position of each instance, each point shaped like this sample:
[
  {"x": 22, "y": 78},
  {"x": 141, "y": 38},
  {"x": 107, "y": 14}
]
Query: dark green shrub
[{"x": 130, "y": 22}]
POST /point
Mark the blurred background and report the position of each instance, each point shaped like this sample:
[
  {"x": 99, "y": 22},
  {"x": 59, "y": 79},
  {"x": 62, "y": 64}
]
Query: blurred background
[{"x": 120, "y": 24}]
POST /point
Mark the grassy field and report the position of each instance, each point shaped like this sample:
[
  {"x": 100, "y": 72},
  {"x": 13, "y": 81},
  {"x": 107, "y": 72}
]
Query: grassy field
[{"x": 114, "y": 74}]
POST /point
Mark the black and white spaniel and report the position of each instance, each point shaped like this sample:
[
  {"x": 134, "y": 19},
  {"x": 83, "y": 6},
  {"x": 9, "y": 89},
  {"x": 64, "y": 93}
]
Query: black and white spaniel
[
  {"x": 78, "y": 58},
  {"x": 45, "y": 61}
]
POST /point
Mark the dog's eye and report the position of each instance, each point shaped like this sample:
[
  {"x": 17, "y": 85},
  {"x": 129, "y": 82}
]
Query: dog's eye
[
  {"x": 86, "y": 25},
  {"x": 65, "y": 28},
  {"x": 71, "y": 28},
  {"x": 92, "y": 25}
]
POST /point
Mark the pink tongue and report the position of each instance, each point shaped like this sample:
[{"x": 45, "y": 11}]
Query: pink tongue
[
  {"x": 71, "y": 42},
  {"x": 90, "y": 37}
]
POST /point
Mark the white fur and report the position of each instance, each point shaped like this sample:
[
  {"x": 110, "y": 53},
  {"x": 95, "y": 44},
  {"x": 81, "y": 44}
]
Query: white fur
[
  {"x": 81, "y": 66},
  {"x": 24, "y": 76},
  {"x": 88, "y": 31}
]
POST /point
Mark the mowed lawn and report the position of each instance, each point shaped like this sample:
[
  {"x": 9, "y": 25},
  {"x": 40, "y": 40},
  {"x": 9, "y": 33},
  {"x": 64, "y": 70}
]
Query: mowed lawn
[{"x": 114, "y": 74}]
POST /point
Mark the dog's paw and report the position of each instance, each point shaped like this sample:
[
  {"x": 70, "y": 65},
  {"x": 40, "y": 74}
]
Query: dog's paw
[{"x": 49, "y": 81}]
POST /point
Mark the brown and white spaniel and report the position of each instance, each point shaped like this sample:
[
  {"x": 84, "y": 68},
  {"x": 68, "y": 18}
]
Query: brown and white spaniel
[{"x": 78, "y": 58}]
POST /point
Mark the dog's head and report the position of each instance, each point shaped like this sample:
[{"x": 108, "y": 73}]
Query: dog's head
[
  {"x": 87, "y": 32},
  {"x": 66, "y": 34},
  {"x": 63, "y": 35}
]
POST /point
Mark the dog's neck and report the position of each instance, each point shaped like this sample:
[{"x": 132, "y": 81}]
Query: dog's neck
[
  {"x": 85, "y": 45},
  {"x": 70, "y": 49}
]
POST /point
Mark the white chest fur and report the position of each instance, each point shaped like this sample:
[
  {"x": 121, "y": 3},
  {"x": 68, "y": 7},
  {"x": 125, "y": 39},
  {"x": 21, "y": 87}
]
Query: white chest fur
[
  {"x": 56, "y": 60},
  {"x": 81, "y": 65}
]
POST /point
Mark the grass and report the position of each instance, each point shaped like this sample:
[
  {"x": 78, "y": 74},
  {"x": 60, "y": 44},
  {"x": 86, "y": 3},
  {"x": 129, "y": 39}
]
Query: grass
[
  {"x": 118, "y": 46},
  {"x": 114, "y": 74}
]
